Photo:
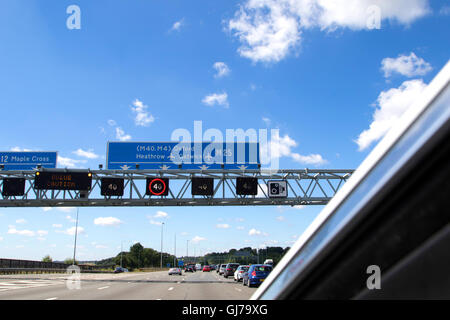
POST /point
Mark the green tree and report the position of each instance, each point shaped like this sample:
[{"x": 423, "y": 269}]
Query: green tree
[
  {"x": 70, "y": 261},
  {"x": 47, "y": 258}
]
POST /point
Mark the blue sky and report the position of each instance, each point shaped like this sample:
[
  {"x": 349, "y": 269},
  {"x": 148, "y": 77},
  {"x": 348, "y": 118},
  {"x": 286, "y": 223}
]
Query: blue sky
[{"x": 323, "y": 73}]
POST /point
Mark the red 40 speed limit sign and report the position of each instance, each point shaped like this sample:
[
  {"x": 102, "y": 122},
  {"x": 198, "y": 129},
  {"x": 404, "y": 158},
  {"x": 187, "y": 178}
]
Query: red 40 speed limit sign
[{"x": 157, "y": 186}]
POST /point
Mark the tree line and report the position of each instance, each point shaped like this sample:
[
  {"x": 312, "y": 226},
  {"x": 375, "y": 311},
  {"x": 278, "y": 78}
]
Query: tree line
[{"x": 138, "y": 257}]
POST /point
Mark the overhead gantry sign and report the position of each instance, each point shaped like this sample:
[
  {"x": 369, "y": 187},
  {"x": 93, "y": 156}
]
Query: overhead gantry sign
[{"x": 221, "y": 187}]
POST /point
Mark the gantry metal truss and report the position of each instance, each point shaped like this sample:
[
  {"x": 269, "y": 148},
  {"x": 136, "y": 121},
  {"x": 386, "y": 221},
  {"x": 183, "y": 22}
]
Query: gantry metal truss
[{"x": 305, "y": 187}]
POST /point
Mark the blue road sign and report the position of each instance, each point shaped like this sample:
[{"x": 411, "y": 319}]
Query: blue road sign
[
  {"x": 27, "y": 160},
  {"x": 170, "y": 155},
  {"x": 180, "y": 263}
]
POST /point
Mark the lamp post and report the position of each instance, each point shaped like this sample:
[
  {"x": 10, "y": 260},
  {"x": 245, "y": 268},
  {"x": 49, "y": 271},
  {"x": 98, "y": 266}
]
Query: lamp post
[
  {"x": 175, "y": 251},
  {"x": 162, "y": 225},
  {"x": 187, "y": 249},
  {"x": 75, "y": 245}
]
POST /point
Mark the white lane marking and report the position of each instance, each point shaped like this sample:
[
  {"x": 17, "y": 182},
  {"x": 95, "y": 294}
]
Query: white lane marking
[
  {"x": 101, "y": 288},
  {"x": 238, "y": 289},
  {"x": 171, "y": 288},
  {"x": 24, "y": 284},
  {"x": 159, "y": 299},
  {"x": 54, "y": 298}
]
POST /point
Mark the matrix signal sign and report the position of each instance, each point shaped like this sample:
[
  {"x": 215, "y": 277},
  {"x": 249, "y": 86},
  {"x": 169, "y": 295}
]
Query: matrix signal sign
[
  {"x": 112, "y": 187},
  {"x": 202, "y": 186},
  {"x": 67, "y": 180},
  {"x": 157, "y": 186},
  {"x": 13, "y": 187},
  {"x": 246, "y": 186}
]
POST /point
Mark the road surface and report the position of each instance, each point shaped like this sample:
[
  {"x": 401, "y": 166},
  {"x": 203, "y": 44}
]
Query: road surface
[{"x": 136, "y": 286}]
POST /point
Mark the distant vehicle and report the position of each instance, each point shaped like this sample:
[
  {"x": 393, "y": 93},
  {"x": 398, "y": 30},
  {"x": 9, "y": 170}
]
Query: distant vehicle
[
  {"x": 239, "y": 273},
  {"x": 198, "y": 266},
  {"x": 230, "y": 269},
  {"x": 174, "y": 271},
  {"x": 189, "y": 268},
  {"x": 222, "y": 268},
  {"x": 256, "y": 274},
  {"x": 269, "y": 261},
  {"x": 120, "y": 269},
  {"x": 206, "y": 269}
]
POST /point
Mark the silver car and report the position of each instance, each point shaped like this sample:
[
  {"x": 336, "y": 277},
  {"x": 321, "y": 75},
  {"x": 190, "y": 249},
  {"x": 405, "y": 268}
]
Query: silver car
[
  {"x": 240, "y": 272},
  {"x": 175, "y": 271},
  {"x": 222, "y": 268}
]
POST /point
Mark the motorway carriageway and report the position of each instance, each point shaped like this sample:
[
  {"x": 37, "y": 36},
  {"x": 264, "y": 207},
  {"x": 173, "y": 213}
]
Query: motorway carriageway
[{"x": 123, "y": 286}]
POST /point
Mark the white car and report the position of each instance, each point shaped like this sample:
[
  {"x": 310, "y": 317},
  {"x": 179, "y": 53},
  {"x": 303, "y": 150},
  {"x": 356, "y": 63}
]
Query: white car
[
  {"x": 175, "y": 271},
  {"x": 238, "y": 274}
]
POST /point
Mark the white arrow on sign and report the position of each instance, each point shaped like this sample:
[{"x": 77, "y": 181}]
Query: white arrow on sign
[
  {"x": 204, "y": 167},
  {"x": 125, "y": 167},
  {"x": 164, "y": 167},
  {"x": 242, "y": 167}
]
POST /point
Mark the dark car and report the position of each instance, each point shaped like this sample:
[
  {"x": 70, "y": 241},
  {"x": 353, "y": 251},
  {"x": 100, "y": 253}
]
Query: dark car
[
  {"x": 120, "y": 269},
  {"x": 256, "y": 274},
  {"x": 189, "y": 269},
  {"x": 230, "y": 269}
]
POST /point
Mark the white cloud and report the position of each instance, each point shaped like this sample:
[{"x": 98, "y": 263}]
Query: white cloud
[
  {"x": 112, "y": 123},
  {"x": 299, "y": 207},
  {"x": 28, "y": 233},
  {"x": 270, "y": 29},
  {"x": 281, "y": 218},
  {"x": 157, "y": 223},
  {"x": 240, "y": 228},
  {"x": 254, "y": 232},
  {"x": 220, "y": 99},
  {"x": 266, "y": 120},
  {"x": 42, "y": 232},
  {"x": 222, "y": 69},
  {"x": 391, "y": 105},
  {"x": 1, "y": 238},
  {"x": 69, "y": 163},
  {"x": 223, "y": 226},
  {"x": 107, "y": 221},
  {"x": 45, "y": 209},
  {"x": 57, "y": 225},
  {"x": 314, "y": 159},
  {"x": 240, "y": 219},
  {"x": 71, "y": 231},
  {"x": 70, "y": 218},
  {"x": 197, "y": 239},
  {"x": 21, "y": 221},
  {"x": 86, "y": 154},
  {"x": 19, "y": 149},
  {"x": 282, "y": 147},
  {"x": 65, "y": 209},
  {"x": 100, "y": 246},
  {"x": 120, "y": 134},
  {"x": 408, "y": 66},
  {"x": 143, "y": 117},
  {"x": 177, "y": 25},
  {"x": 161, "y": 214}
]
